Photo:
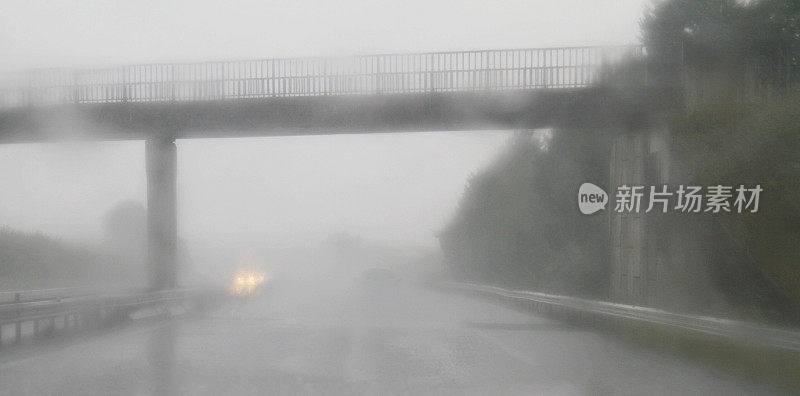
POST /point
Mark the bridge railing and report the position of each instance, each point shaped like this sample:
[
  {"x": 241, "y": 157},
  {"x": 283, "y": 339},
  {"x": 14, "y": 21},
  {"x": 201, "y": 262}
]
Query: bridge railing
[
  {"x": 8, "y": 297},
  {"x": 514, "y": 69}
]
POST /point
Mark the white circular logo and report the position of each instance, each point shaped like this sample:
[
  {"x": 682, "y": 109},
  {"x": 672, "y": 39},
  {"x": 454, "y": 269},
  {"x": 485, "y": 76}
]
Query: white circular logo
[{"x": 591, "y": 198}]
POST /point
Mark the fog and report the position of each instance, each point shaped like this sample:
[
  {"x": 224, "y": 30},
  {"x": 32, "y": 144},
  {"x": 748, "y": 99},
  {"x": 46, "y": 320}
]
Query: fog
[
  {"x": 247, "y": 196},
  {"x": 378, "y": 197},
  {"x": 264, "y": 190},
  {"x": 274, "y": 191},
  {"x": 99, "y": 33}
]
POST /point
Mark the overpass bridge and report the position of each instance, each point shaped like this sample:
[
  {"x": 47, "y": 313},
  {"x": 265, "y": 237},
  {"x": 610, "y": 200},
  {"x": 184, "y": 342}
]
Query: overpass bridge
[
  {"x": 431, "y": 340},
  {"x": 520, "y": 88},
  {"x": 438, "y": 91}
]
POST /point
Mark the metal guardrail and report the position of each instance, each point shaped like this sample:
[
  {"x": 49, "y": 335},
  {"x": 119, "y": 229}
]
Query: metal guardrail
[
  {"x": 77, "y": 308},
  {"x": 784, "y": 339},
  {"x": 507, "y": 69},
  {"x": 44, "y": 294}
]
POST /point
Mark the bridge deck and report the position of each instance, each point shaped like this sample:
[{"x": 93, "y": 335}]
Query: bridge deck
[{"x": 495, "y": 89}]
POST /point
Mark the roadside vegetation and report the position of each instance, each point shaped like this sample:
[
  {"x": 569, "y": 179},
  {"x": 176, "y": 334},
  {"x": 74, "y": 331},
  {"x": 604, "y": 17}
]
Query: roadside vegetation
[
  {"x": 36, "y": 261},
  {"x": 33, "y": 260},
  {"x": 513, "y": 226},
  {"x": 517, "y": 224}
]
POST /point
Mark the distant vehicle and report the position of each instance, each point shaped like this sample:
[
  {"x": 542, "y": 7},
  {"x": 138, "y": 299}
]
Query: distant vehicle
[{"x": 247, "y": 283}]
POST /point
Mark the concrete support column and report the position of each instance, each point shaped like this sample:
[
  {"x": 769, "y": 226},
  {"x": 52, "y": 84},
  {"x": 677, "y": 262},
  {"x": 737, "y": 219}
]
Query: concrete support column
[
  {"x": 162, "y": 217},
  {"x": 639, "y": 158}
]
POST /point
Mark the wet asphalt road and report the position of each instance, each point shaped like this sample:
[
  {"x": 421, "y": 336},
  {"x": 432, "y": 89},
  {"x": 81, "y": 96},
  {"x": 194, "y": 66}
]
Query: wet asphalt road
[{"x": 298, "y": 339}]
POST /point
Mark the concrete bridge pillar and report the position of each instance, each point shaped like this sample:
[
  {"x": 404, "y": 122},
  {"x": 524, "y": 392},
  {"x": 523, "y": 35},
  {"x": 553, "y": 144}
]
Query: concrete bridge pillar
[
  {"x": 639, "y": 158},
  {"x": 162, "y": 220}
]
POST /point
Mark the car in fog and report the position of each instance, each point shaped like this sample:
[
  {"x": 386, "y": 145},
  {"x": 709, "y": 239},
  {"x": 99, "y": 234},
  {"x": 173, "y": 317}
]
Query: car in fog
[{"x": 247, "y": 283}]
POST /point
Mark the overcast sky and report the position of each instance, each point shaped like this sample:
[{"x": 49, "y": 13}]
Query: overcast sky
[
  {"x": 396, "y": 188},
  {"x": 99, "y": 32}
]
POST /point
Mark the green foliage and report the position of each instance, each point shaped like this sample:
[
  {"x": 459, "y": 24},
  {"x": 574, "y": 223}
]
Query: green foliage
[
  {"x": 731, "y": 136},
  {"x": 757, "y": 144},
  {"x": 33, "y": 260},
  {"x": 695, "y": 26},
  {"x": 726, "y": 37},
  {"x": 518, "y": 223}
]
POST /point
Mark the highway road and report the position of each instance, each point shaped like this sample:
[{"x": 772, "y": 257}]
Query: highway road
[{"x": 300, "y": 338}]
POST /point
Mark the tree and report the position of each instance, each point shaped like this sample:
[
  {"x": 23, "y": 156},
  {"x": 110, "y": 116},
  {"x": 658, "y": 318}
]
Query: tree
[
  {"x": 517, "y": 225},
  {"x": 125, "y": 227},
  {"x": 726, "y": 37}
]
